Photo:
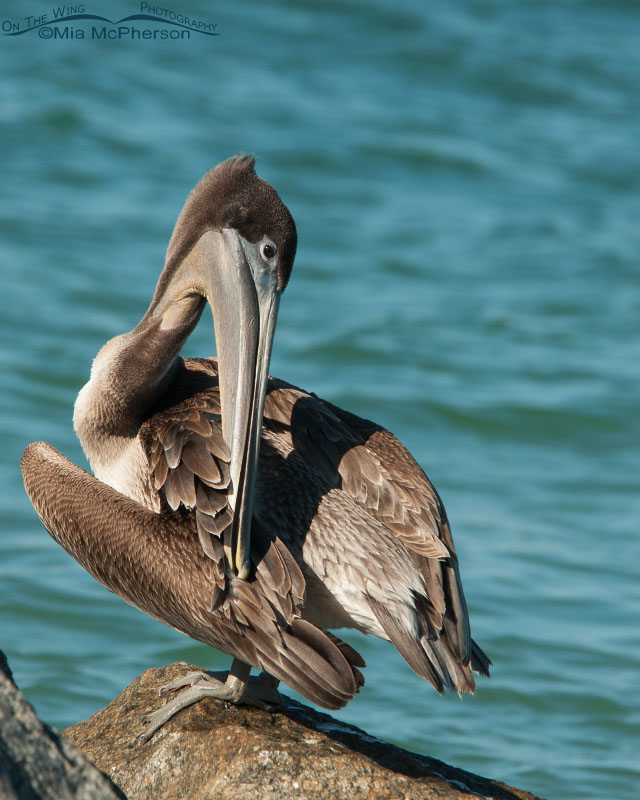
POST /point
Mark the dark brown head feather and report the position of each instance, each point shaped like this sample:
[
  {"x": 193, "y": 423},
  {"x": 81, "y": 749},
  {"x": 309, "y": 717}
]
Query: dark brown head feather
[{"x": 231, "y": 195}]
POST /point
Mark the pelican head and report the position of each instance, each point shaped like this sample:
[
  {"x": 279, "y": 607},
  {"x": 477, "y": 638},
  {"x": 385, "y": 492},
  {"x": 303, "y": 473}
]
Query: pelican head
[{"x": 233, "y": 244}]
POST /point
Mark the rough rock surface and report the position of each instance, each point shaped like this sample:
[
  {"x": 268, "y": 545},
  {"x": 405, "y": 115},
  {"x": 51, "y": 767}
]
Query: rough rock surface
[
  {"x": 216, "y": 750},
  {"x": 35, "y": 763}
]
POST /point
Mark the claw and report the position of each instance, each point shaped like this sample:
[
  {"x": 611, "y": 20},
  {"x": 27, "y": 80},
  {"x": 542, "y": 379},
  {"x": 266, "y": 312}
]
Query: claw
[{"x": 190, "y": 679}]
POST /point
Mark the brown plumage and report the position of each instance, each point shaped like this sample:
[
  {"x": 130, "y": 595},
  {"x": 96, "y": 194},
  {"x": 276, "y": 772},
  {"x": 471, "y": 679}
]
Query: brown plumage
[{"x": 344, "y": 530}]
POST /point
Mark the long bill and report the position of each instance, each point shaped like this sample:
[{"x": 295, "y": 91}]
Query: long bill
[{"x": 244, "y": 300}]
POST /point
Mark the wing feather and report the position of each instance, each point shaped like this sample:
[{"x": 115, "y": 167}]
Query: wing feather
[
  {"x": 155, "y": 562},
  {"x": 189, "y": 461},
  {"x": 371, "y": 466},
  {"x": 367, "y": 462}
]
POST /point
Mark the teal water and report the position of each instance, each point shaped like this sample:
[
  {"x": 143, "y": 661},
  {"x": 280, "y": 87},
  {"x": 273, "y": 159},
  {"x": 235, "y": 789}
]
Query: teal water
[{"x": 466, "y": 183}]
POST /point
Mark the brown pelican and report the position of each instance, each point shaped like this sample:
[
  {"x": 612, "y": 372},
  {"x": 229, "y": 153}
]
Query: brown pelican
[{"x": 245, "y": 512}]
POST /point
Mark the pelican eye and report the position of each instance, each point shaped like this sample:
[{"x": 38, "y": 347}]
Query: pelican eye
[{"x": 267, "y": 251}]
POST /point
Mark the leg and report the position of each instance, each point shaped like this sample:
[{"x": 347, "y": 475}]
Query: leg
[{"x": 237, "y": 688}]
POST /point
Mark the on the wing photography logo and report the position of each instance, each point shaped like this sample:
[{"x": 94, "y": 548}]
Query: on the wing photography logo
[{"x": 74, "y": 22}]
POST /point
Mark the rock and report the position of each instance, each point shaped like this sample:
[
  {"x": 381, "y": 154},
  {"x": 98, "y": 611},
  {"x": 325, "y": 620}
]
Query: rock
[
  {"x": 217, "y": 750},
  {"x": 35, "y": 763}
]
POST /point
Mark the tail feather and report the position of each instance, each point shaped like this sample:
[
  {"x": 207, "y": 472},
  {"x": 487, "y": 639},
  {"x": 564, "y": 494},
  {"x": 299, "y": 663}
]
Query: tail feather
[
  {"x": 353, "y": 657},
  {"x": 432, "y": 657},
  {"x": 312, "y": 664},
  {"x": 456, "y": 617},
  {"x": 408, "y": 645},
  {"x": 480, "y": 662}
]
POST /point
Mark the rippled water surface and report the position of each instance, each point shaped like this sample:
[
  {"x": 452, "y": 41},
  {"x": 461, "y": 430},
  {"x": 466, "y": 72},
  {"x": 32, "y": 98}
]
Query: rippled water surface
[{"x": 466, "y": 182}]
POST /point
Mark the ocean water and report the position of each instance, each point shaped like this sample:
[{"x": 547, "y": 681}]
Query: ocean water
[{"x": 465, "y": 179}]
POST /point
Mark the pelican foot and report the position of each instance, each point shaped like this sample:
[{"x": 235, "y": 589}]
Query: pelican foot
[
  {"x": 232, "y": 689},
  {"x": 238, "y": 687}
]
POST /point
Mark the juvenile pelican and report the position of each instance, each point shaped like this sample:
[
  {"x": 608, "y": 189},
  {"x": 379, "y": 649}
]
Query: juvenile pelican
[{"x": 236, "y": 508}]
